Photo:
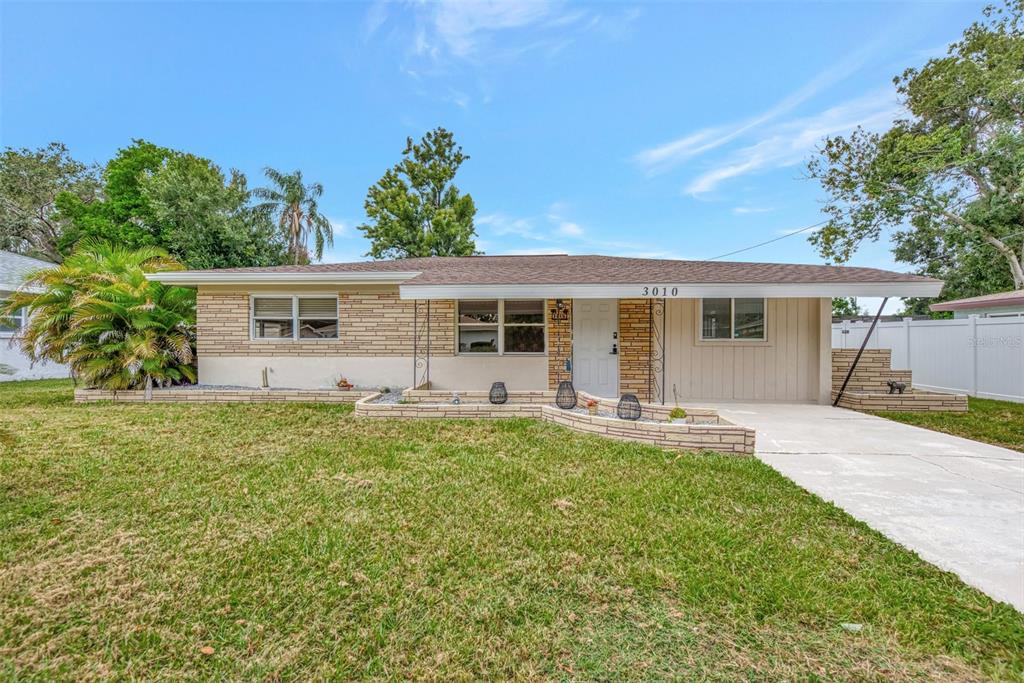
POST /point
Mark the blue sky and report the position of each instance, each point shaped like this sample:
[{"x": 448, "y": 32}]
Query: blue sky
[{"x": 661, "y": 130}]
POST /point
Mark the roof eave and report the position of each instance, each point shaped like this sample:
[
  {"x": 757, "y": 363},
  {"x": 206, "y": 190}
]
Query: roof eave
[
  {"x": 899, "y": 288},
  {"x": 185, "y": 278}
]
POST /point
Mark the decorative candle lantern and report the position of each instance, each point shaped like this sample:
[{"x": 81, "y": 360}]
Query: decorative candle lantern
[
  {"x": 499, "y": 394},
  {"x": 628, "y": 408},
  {"x": 565, "y": 397}
]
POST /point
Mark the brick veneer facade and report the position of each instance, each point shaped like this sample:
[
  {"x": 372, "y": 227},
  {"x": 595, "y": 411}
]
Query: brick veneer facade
[
  {"x": 872, "y": 373},
  {"x": 635, "y": 347},
  {"x": 370, "y": 324},
  {"x": 868, "y": 390},
  {"x": 559, "y": 342},
  {"x": 722, "y": 436}
]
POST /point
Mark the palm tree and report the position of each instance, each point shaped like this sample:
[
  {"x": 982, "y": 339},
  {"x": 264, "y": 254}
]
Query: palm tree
[
  {"x": 295, "y": 207},
  {"x": 99, "y": 314}
]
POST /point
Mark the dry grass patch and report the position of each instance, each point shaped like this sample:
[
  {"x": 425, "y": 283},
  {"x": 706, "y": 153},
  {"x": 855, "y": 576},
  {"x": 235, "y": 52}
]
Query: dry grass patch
[{"x": 292, "y": 541}]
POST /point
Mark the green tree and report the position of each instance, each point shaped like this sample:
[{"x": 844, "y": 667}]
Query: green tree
[
  {"x": 123, "y": 217},
  {"x": 155, "y": 196},
  {"x": 30, "y": 182},
  {"x": 99, "y": 314},
  {"x": 415, "y": 209},
  {"x": 951, "y": 174},
  {"x": 845, "y": 307},
  {"x": 294, "y": 205},
  {"x": 204, "y": 220}
]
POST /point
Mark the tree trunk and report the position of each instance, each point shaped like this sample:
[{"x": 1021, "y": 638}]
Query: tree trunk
[
  {"x": 1016, "y": 271},
  {"x": 149, "y": 387}
]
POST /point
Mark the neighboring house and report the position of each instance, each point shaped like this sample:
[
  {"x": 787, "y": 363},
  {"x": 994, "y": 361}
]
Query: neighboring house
[
  {"x": 664, "y": 330},
  {"x": 987, "y": 306},
  {"x": 13, "y": 270}
]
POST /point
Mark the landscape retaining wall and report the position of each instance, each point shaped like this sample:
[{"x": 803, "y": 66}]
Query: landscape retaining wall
[
  {"x": 222, "y": 395},
  {"x": 722, "y": 436},
  {"x": 868, "y": 388}
]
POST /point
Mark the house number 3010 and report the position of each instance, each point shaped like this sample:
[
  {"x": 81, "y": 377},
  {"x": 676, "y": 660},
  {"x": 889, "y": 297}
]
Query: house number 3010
[{"x": 661, "y": 291}]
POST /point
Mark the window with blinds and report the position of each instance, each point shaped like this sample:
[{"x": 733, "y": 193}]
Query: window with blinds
[{"x": 294, "y": 317}]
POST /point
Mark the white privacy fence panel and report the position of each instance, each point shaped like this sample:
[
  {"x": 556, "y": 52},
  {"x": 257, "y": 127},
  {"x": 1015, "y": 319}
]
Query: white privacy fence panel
[{"x": 977, "y": 356}]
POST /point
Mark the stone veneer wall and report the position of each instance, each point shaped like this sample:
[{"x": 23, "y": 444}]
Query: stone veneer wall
[
  {"x": 650, "y": 411},
  {"x": 872, "y": 373},
  {"x": 222, "y": 395},
  {"x": 727, "y": 438},
  {"x": 911, "y": 402},
  {"x": 370, "y": 324},
  {"x": 559, "y": 343},
  {"x": 868, "y": 390},
  {"x": 723, "y": 437},
  {"x": 635, "y": 347},
  {"x": 515, "y": 396}
]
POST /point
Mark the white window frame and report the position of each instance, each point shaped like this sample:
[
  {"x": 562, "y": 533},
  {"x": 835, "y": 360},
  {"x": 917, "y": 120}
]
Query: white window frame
[
  {"x": 21, "y": 319},
  {"x": 732, "y": 323},
  {"x": 295, "y": 317},
  {"x": 501, "y": 329}
]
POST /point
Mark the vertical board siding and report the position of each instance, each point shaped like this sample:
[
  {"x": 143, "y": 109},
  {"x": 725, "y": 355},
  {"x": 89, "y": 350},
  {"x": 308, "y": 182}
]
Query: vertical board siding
[{"x": 783, "y": 369}]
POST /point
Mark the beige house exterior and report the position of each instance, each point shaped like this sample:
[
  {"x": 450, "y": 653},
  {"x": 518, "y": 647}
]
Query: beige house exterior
[{"x": 667, "y": 331}]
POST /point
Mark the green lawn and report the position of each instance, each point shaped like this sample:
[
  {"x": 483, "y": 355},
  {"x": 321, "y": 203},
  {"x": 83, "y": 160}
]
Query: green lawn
[
  {"x": 295, "y": 542},
  {"x": 997, "y": 422}
]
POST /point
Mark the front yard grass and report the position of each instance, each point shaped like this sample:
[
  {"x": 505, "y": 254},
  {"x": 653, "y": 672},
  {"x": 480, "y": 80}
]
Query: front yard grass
[
  {"x": 996, "y": 422},
  {"x": 292, "y": 541}
]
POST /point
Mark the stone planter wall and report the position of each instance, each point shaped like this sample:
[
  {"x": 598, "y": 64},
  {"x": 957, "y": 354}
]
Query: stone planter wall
[
  {"x": 222, "y": 395},
  {"x": 909, "y": 402},
  {"x": 722, "y": 436},
  {"x": 651, "y": 411},
  {"x": 437, "y": 396},
  {"x": 868, "y": 389}
]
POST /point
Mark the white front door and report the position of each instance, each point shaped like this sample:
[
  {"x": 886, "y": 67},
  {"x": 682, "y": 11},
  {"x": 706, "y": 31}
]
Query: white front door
[{"x": 595, "y": 343}]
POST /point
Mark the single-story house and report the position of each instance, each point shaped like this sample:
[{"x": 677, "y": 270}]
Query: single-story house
[
  {"x": 987, "y": 306},
  {"x": 14, "y": 268},
  {"x": 665, "y": 330}
]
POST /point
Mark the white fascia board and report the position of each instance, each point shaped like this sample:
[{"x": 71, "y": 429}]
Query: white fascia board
[
  {"x": 673, "y": 291},
  {"x": 191, "y": 279}
]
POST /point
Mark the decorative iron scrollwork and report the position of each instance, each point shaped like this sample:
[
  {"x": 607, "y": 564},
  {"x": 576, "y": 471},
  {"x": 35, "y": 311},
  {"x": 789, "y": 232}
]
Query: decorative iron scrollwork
[
  {"x": 421, "y": 343},
  {"x": 656, "y": 351}
]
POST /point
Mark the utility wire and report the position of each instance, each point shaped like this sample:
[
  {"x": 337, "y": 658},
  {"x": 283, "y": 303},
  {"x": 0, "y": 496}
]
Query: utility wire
[
  {"x": 809, "y": 227},
  {"x": 781, "y": 237}
]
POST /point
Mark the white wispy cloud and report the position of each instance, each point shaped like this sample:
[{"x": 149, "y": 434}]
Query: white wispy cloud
[
  {"x": 675, "y": 152},
  {"x": 502, "y": 225},
  {"x": 790, "y": 142},
  {"x": 447, "y": 38},
  {"x": 340, "y": 227},
  {"x": 743, "y": 210},
  {"x": 570, "y": 229},
  {"x": 556, "y": 233}
]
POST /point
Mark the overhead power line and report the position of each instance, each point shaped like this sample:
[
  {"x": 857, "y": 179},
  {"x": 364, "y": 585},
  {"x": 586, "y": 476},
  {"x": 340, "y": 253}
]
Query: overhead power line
[{"x": 761, "y": 244}]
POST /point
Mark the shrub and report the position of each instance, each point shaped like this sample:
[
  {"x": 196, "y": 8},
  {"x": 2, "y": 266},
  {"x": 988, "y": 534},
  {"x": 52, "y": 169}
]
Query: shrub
[
  {"x": 677, "y": 413},
  {"x": 115, "y": 329}
]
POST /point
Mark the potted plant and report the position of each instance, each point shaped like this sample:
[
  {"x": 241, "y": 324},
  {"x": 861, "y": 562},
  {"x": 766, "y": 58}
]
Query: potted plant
[
  {"x": 592, "y": 407},
  {"x": 677, "y": 415},
  {"x": 344, "y": 384}
]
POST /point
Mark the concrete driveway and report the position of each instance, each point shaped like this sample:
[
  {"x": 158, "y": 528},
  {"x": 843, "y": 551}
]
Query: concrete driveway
[{"x": 958, "y": 503}]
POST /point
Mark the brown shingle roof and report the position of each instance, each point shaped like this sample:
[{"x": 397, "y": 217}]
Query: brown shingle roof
[
  {"x": 1011, "y": 298},
  {"x": 565, "y": 269}
]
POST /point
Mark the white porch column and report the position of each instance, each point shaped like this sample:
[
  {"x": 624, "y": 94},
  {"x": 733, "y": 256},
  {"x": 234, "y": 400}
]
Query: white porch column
[{"x": 825, "y": 351}]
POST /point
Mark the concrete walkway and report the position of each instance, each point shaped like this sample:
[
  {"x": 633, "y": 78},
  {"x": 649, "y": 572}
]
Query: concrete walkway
[{"x": 958, "y": 503}]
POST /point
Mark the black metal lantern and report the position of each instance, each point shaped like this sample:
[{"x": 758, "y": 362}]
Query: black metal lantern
[
  {"x": 565, "y": 397},
  {"x": 628, "y": 408},
  {"x": 499, "y": 394}
]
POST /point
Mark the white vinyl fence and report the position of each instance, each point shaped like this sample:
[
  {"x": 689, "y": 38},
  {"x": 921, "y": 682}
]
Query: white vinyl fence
[{"x": 977, "y": 356}]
